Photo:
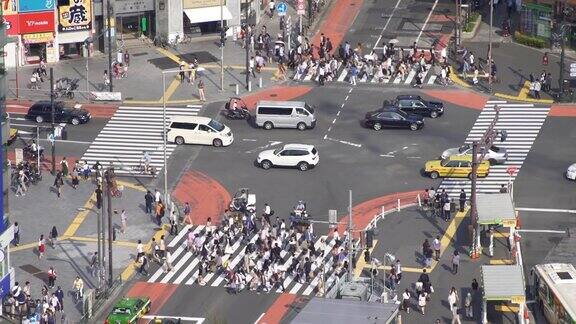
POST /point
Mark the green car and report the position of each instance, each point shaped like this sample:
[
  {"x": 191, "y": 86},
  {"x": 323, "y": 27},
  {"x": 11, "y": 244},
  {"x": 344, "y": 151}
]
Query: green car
[{"x": 129, "y": 310}]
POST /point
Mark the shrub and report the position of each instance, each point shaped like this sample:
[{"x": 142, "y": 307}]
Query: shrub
[
  {"x": 532, "y": 41},
  {"x": 471, "y": 21}
]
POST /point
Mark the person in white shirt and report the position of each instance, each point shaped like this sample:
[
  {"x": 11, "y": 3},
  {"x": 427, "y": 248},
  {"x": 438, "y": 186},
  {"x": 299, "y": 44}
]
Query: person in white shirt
[
  {"x": 139, "y": 250},
  {"x": 436, "y": 245},
  {"x": 406, "y": 301}
]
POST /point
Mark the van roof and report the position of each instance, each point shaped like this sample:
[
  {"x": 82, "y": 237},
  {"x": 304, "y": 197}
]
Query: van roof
[
  {"x": 190, "y": 119},
  {"x": 272, "y": 103},
  {"x": 306, "y": 147}
]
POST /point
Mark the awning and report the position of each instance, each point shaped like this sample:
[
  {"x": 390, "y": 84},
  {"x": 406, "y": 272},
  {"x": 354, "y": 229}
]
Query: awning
[
  {"x": 503, "y": 283},
  {"x": 73, "y": 37},
  {"x": 495, "y": 209},
  {"x": 199, "y": 15}
]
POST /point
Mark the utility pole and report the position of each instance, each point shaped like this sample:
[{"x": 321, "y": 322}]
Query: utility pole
[
  {"x": 52, "y": 121},
  {"x": 490, "y": 47},
  {"x": 350, "y": 238},
  {"x": 247, "y": 37},
  {"x": 222, "y": 41},
  {"x": 109, "y": 45},
  {"x": 562, "y": 54},
  {"x": 485, "y": 143},
  {"x": 458, "y": 25},
  {"x": 109, "y": 174},
  {"x": 309, "y": 13}
]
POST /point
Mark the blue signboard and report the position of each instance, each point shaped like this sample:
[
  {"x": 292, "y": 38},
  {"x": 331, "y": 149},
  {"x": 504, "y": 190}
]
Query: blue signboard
[
  {"x": 281, "y": 8},
  {"x": 35, "y": 5}
]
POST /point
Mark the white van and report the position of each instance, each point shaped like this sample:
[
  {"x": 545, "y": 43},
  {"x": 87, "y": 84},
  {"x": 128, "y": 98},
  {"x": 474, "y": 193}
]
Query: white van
[
  {"x": 198, "y": 130},
  {"x": 284, "y": 114}
]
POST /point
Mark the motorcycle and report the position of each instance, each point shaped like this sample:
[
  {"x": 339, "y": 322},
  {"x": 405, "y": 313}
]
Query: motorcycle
[
  {"x": 236, "y": 108},
  {"x": 65, "y": 87}
]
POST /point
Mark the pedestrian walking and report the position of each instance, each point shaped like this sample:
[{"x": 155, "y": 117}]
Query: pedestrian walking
[
  {"x": 53, "y": 236},
  {"x": 406, "y": 301},
  {"x": 148, "y": 202},
  {"x": 51, "y": 277},
  {"x": 60, "y": 295},
  {"x": 106, "y": 78},
  {"x": 468, "y": 306},
  {"x": 159, "y": 212},
  {"x": 455, "y": 315},
  {"x": 452, "y": 298},
  {"x": 41, "y": 246},
  {"x": 491, "y": 242},
  {"x": 181, "y": 67},
  {"x": 545, "y": 59},
  {"x": 16, "y": 239},
  {"x": 167, "y": 262},
  {"x": 446, "y": 210},
  {"x": 422, "y": 302},
  {"x": 58, "y": 183},
  {"x": 64, "y": 167},
  {"x": 462, "y": 200},
  {"x": 187, "y": 211},
  {"x": 398, "y": 270},
  {"x": 123, "y": 221},
  {"x": 139, "y": 250},
  {"x": 455, "y": 262},
  {"x": 162, "y": 247},
  {"x": 173, "y": 223},
  {"x": 201, "y": 93},
  {"x": 143, "y": 265},
  {"x": 94, "y": 264},
  {"x": 126, "y": 57},
  {"x": 437, "y": 246}
]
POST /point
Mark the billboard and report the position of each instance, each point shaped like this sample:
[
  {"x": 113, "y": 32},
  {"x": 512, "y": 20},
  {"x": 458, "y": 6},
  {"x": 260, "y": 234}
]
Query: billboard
[
  {"x": 9, "y": 7},
  {"x": 35, "y": 5},
  {"x": 36, "y": 22},
  {"x": 74, "y": 15}
]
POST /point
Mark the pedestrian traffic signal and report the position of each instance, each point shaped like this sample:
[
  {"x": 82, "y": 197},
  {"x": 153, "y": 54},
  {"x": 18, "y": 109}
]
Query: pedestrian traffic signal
[{"x": 223, "y": 38}]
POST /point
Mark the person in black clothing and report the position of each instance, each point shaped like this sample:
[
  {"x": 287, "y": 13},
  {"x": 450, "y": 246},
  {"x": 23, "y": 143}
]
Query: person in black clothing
[
  {"x": 462, "y": 200},
  {"x": 149, "y": 200},
  {"x": 367, "y": 255},
  {"x": 143, "y": 266}
]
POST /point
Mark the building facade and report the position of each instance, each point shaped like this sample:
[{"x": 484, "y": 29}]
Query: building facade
[
  {"x": 542, "y": 18},
  {"x": 7, "y": 277}
]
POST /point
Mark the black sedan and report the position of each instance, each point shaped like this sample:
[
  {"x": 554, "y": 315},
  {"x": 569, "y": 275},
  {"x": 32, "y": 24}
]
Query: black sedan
[
  {"x": 42, "y": 111},
  {"x": 393, "y": 119},
  {"x": 414, "y": 104}
]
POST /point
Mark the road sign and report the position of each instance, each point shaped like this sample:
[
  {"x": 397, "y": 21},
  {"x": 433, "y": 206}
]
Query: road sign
[
  {"x": 282, "y": 7},
  {"x": 300, "y": 7}
]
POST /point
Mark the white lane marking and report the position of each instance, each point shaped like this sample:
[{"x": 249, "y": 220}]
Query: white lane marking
[
  {"x": 197, "y": 320},
  {"x": 249, "y": 140},
  {"x": 426, "y": 22},
  {"x": 334, "y": 121},
  {"x": 263, "y": 147},
  {"x": 540, "y": 231},
  {"x": 547, "y": 210},
  {"x": 259, "y": 318},
  {"x": 387, "y": 23},
  {"x": 338, "y": 113}
]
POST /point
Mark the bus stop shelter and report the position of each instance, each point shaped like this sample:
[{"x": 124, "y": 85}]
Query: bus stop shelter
[
  {"x": 496, "y": 209},
  {"x": 503, "y": 283}
]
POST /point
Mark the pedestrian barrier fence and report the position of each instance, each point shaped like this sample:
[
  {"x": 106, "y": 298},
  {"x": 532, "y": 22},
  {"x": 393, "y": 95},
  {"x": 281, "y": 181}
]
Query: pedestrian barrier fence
[{"x": 398, "y": 208}]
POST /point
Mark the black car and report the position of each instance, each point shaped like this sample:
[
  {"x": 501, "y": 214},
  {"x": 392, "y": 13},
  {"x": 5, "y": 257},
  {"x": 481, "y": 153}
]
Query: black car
[
  {"x": 393, "y": 118},
  {"x": 416, "y": 105},
  {"x": 42, "y": 111}
]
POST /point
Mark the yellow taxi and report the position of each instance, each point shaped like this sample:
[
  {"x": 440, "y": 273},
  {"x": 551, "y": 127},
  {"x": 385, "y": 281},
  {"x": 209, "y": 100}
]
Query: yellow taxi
[{"x": 455, "y": 166}]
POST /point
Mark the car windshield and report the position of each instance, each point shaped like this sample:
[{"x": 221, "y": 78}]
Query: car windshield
[
  {"x": 121, "y": 310},
  {"x": 495, "y": 149},
  {"x": 310, "y": 109},
  {"x": 217, "y": 126},
  {"x": 463, "y": 148},
  {"x": 314, "y": 151},
  {"x": 278, "y": 150},
  {"x": 444, "y": 162}
]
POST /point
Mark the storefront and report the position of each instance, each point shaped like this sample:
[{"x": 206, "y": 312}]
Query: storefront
[
  {"x": 134, "y": 17},
  {"x": 37, "y": 31},
  {"x": 12, "y": 27},
  {"x": 203, "y": 16},
  {"x": 74, "y": 27}
]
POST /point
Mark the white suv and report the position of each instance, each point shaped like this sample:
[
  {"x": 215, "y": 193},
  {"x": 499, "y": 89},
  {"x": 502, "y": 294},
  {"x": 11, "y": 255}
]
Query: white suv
[{"x": 302, "y": 156}]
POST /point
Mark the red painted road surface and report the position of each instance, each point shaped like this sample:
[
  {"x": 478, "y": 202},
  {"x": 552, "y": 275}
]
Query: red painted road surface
[
  {"x": 338, "y": 21},
  {"x": 275, "y": 93},
  {"x": 365, "y": 212},
  {"x": 96, "y": 110},
  {"x": 563, "y": 111},
  {"x": 464, "y": 98},
  {"x": 46, "y": 163},
  {"x": 207, "y": 197},
  {"x": 158, "y": 293}
]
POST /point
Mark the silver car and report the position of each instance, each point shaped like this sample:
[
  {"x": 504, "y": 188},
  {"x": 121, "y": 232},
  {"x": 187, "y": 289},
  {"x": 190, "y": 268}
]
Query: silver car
[{"x": 495, "y": 154}]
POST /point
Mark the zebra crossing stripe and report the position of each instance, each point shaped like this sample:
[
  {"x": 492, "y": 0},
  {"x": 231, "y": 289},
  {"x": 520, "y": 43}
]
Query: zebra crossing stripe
[
  {"x": 522, "y": 123},
  {"x": 343, "y": 75},
  {"x": 410, "y": 77},
  {"x": 131, "y": 131},
  {"x": 432, "y": 79}
]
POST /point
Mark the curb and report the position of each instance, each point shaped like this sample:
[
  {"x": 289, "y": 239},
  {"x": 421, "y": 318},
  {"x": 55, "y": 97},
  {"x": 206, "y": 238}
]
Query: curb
[{"x": 527, "y": 100}]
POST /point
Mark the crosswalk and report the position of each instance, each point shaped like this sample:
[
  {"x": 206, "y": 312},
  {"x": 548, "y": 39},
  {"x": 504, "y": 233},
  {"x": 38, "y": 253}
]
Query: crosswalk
[
  {"x": 522, "y": 123},
  {"x": 130, "y": 132},
  {"x": 342, "y": 76},
  {"x": 185, "y": 265}
]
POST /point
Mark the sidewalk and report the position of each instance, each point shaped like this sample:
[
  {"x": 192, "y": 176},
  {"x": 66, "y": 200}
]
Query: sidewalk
[
  {"x": 514, "y": 62},
  {"x": 73, "y": 251}
]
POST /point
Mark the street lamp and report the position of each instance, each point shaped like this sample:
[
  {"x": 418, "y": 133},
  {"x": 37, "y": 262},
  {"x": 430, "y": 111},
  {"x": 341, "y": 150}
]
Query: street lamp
[
  {"x": 490, "y": 47},
  {"x": 100, "y": 240}
]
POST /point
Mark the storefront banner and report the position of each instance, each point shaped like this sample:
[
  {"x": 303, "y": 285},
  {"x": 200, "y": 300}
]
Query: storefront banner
[
  {"x": 75, "y": 16},
  {"x": 9, "y": 7},
  {"x": 12, "y": 25},
  {"x": 37, "y": 22},
  {"x": 38, "y": 38},
  {"x": 35, "y": 5},
  {"x": 191, "y": 4}
]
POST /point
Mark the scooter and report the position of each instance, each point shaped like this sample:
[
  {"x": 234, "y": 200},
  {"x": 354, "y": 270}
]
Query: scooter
[{"x": 238, "y": 113}]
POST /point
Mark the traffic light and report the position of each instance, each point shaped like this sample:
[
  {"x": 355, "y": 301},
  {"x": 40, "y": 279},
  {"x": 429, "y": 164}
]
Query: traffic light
[{"x": 223, "y": 37}]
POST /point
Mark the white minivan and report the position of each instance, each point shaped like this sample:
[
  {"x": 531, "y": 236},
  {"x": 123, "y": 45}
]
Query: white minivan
[{"x": 198, "y": 130}]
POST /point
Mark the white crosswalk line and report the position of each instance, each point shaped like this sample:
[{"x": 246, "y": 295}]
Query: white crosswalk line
[
  {"x": 410, "y": 77},
  {"x": 431, "y": 79},
  {"x": 398, "y": 79},
  {"x": 342, "y": 75},
  {"x": 522, "y": 123},
  {"x": 187, "y": 271},
  {"x": 131, "y": 131}
]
